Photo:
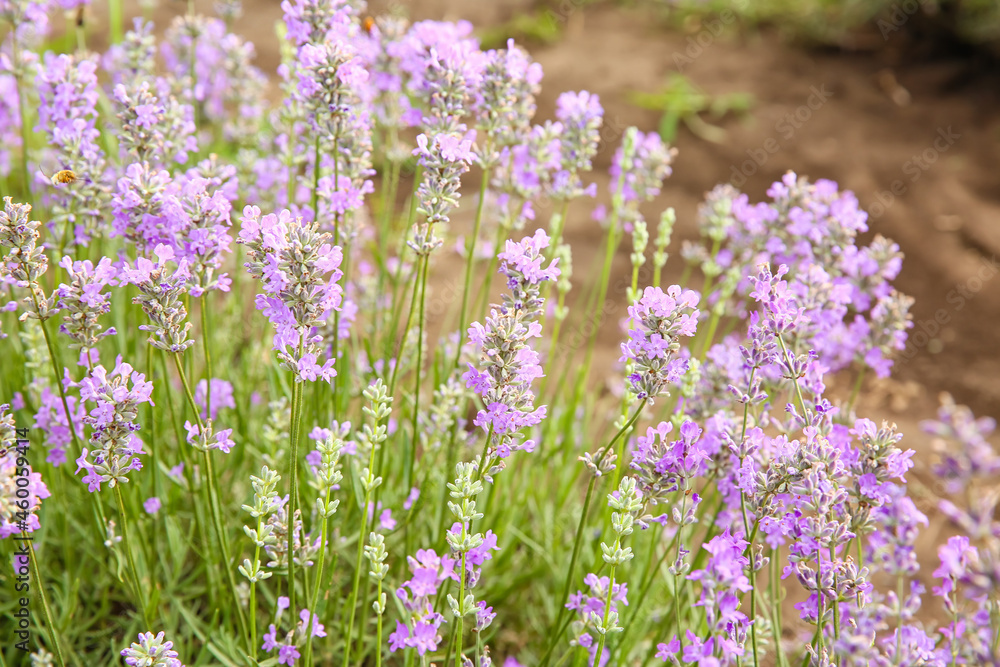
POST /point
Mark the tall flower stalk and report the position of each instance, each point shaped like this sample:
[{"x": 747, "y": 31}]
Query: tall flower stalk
[
  {"x": 378, "y": 410},
  {"x": 298, "y": 270}
]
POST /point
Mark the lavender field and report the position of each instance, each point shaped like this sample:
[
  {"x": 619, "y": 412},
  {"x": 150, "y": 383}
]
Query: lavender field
[{"x": 385, "y": 354}]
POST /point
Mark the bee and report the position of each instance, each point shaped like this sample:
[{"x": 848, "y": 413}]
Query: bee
[
  {"x": 67, "y": 176},
  {"x": 64, "y": 177},
  {"x": 368, "y": 24}
]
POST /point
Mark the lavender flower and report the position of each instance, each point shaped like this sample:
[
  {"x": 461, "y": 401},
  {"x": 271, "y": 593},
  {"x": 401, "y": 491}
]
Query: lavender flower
[
  {"x": 288, "y": 648},
  {"x": 444, "y": 158},
  {"x": 663, "y": 468},
  {"x": 506, "y": 99},
  {"x": 151, "y": 651},
  {"x": 83, "y": 302},
  {"x": 850, "y": 311},
  {"x": 205, "y": 240},
  {"x": 428, "y": 572},
  {"x": 722, "y": 578},
  {"x": 299, "y": 271},
  {"x": 113, "y": 423},
  {"x": 51, "y": 418},
  {"x": 67, "y": 113},
  {"x": 155, "y": 128},
  {"x": 642, "y": 169},
  {"x": 314, "y": 21},
  {"x": 145, "y": 208},
  {"x": 304, "y": 547},
  {"x": 331, "y": 79},
  {"x": 204, "y": 438},
  {"x": 974, "y": 458},
  {"x": 134, "y": 60},
  {"x": 591, "y": 608},
  {"x": 18, "y": 512},
  {"x": 508, "y": 363},
  {"x": 26, "y": 261},
  {"x": 160, "y": 297},
  {"x": 656, "y": 323},
  {"x": 580, "y": 116},
  {"x": 152, "y": 505}
]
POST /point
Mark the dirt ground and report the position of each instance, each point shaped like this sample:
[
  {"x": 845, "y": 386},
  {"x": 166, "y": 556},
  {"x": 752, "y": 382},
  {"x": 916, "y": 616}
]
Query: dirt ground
[{"x": 917, "y": 140}]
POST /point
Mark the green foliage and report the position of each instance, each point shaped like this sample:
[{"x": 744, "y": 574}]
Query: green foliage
[
  {"x": 539, "y": 27},
  {"x": 680, "y": 101}
]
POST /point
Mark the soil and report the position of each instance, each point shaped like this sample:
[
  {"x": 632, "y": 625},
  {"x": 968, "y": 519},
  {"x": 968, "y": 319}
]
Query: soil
[{"x": 926, "y": 126}]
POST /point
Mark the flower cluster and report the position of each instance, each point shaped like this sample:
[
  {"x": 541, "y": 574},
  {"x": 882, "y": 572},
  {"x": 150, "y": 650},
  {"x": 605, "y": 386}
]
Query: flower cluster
[
  {"x": 591, "y": 606},
  {"x": 83, "y": 302},
  {"x": 850, "y": 311},
  {"x": 508, "y": 363},
  {"x": 444, "y": 158},
  {"x": 25, "y": 261},
  {"x": 154, "y": 131},
  {"x": 298, "y": 270},
  {"x": 722, "y": 580},
  {"x": 421, "y": 631},
  {"x": 151, "y": 651},
  {"x": 304, "y": 547},
  {"x": 663, "y": 467},
  {"x": 160, "y": 294},
  {"x": 288, "y": 646},
  {"x": 68, "y": 94},
  {"x": 117, "y": 397},
  {"x": 19, "y": 501},
  {"x": 219, "y": 396},
  {"x": 655, "y": 325}
]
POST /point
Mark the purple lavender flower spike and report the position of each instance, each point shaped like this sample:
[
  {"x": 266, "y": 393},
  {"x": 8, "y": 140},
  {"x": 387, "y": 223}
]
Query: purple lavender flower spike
[
  {"x": 656, "y": 323},
  {"x": 298, "y": 270},
  {"x": 117, "y": 396},
  {"x": 508, "y": 363},
  {"x": 67, "y": 113},
  {"x": 12, "y": 492}
]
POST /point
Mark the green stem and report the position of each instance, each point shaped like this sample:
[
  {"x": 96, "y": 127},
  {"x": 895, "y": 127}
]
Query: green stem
[
  {"x": 36, "y": 574},
  {"x": 213, "y": 499},
  {"x": 795, "y": 381},
  {"x": 470, "y": 259},
  {"x": 208, "y": 357},
  {"x": 782, "y": 661},
  {"x": 607, "y": 608},
  {"x": 378, "y": 629},
  {"x": 353, "y": 601},
  {"x": 321, "y": 560},
  {"x": 857, "y": 388},
  {"x": 252, "y": 649},
  {"x": 411, "y": 453},
  {"x": 578, "y": 538},
  {"x": 293, "y": 466},
  {"x": 131, "y": 559},
  {"x": 752, "y": 575},
  {"x": 460, "y": 626},
  {"x": 115, "y": 19}
]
